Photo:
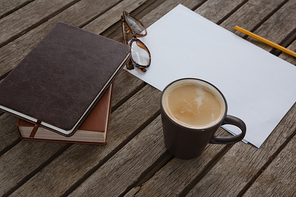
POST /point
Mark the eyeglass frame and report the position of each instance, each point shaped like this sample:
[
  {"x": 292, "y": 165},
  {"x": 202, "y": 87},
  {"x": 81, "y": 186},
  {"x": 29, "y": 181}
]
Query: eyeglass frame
[{"x": 126, "y": 29}]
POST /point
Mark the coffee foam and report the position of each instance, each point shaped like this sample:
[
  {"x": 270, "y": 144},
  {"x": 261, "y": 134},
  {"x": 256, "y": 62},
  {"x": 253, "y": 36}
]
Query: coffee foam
[{"x": 189, "y": 105}]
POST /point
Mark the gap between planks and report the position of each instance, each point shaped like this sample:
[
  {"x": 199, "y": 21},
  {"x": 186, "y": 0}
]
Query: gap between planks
[
  {"x": 149, "y": 172},
  {"x": 286, "y": 41},
  {"x": 15, "y": 8},
  {"x": 231, "y": 12},
  {"x": 139, "y": 12},
  {"x": 33, "y": 26},
  {"x": 265, "y": 166},
  {"x": 112, "y": 153},
  {"x": 35, "y": 171},
  {"x": 289, "y": 39}
]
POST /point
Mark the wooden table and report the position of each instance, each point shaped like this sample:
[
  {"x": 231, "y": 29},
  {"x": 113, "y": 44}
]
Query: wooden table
[{"x": 135, "y": 161}]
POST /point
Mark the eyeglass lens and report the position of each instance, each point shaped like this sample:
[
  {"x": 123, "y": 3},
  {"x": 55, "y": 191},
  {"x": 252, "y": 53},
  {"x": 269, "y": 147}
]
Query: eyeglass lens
[
  {"x": 139, "y": 53},
  {"x": 135, "y": 25}
]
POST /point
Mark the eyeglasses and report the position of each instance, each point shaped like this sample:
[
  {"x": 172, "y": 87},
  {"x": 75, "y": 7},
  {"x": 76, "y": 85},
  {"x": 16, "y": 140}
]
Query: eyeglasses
[{"x": 140, "y": 54}]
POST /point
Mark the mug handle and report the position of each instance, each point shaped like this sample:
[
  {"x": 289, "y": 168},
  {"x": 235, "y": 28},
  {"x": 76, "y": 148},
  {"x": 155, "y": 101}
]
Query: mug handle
[{"x": 232, "y": 139}]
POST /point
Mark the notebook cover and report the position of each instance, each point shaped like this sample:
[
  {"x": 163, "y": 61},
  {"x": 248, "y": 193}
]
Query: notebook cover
[
  {"x": 92, "y": 130},
  {"x": 62, "y": 78}
]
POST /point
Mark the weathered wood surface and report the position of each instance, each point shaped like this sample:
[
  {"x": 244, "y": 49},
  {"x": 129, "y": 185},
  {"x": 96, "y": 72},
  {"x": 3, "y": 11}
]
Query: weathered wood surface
[
  {"x": 135, "y": 162},
  {"x": 21, "y": 20},
  {"x": 8, "y": 6},
  {"x": 79, "y": 159},
  {"x": 278, "y": 178}
]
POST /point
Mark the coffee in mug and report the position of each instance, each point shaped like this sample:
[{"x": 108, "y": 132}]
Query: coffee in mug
[
  {"x": 192, "y": 110},
  {"x": 193, "y": 104}
]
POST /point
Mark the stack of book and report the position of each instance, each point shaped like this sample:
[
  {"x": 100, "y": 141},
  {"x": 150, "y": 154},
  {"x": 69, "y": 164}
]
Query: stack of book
[
  {"x": 93, "y": 130},
  {"x": 62, "y": 90}
]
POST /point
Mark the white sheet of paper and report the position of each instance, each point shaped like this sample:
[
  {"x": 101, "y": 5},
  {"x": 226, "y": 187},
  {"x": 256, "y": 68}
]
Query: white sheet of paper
[{"x": 259, "y": 87}]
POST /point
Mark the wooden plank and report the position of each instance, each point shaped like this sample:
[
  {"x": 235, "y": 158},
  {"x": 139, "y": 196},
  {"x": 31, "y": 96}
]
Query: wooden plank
[
  {"x": 125, "y": 84},
  {"x": 242, "y": 163},
  {"x": 277, "y": 27},
  {"x": 217, "y": 10},
  {"x": 251, "y": 14},
  {"x": 167, "y": 6},
  {"x": 8, "y": 134},
  {"x": 161, "y": 183},
  {"x": 279, "y": 178},
  {"x": 287, "y": 57},
  {"x": 124, "y": 168},
  {"x": 78, "y": 160},
  {"x": 178, "y": 174},
  {"x": 24, "y": 18},
  {"x": 19, "y": 161},
  {"x": 113, "y": 15},
  {"x": 257, "y": 12},
  {"x": 22, "y": 159},
  {"x": 8, "y": 6}
]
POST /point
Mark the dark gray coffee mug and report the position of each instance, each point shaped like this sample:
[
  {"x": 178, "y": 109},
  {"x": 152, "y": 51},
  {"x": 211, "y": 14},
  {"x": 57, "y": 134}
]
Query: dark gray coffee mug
[{"x": 187, "y": 143}]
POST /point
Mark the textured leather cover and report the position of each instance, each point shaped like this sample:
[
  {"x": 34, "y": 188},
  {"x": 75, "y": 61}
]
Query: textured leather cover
[
  {"x": 97, "y": 121},
  {"x": 62, "y": 78}
]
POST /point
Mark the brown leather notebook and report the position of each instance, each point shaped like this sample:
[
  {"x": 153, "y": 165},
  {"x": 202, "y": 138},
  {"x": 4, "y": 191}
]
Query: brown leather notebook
[
  {"x": 94, "y": 129},
  {"x": 62, "y": 78}
]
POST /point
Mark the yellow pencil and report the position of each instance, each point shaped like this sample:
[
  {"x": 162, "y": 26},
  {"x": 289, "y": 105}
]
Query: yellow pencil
[{"x": 265, "y": 41}]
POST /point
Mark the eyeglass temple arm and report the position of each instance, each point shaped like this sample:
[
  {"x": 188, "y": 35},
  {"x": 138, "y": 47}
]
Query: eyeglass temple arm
[{"x": 125, "y": 30}]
